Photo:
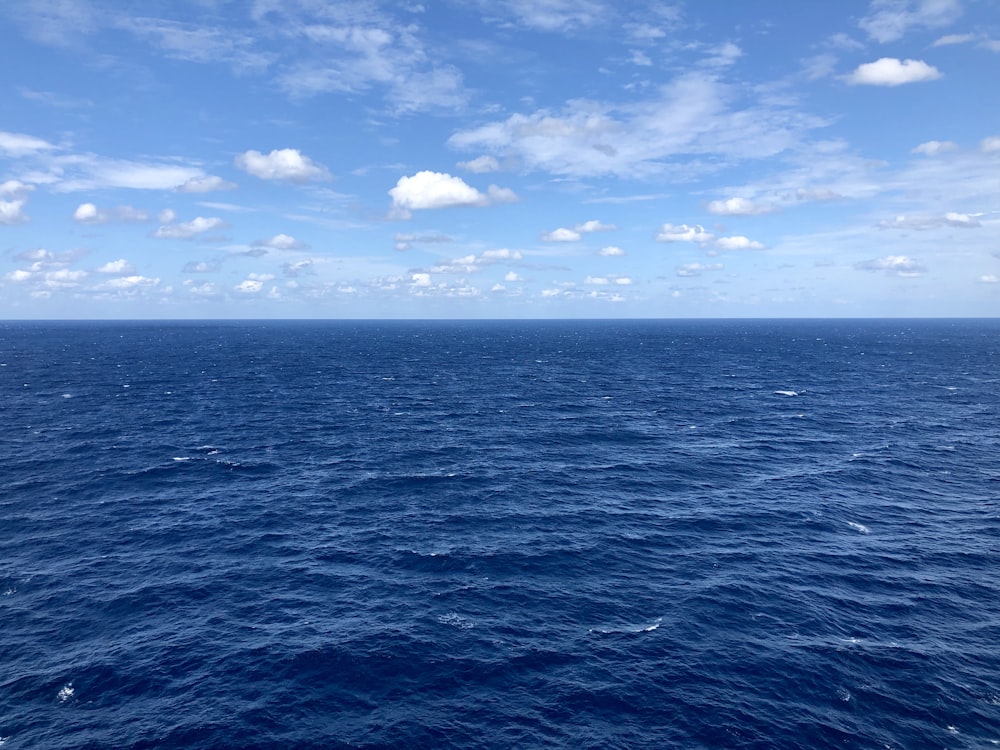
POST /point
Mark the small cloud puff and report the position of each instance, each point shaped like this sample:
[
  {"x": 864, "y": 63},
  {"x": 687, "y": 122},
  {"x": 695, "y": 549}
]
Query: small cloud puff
[
  {"x": 561, "y": 235},
  {"x": 480, "y": 165},
  {"x": 933, "y": 148},
  {"x": 610, "y": 251},
  {"x": 189, "y": 229},
  {"x": 426, "y": 190},
  {"x": 594, "y": 226},
  {"x": 683, "y": 233},
  {"x": 120, "y": 266},
  {"x": 11, "y": 211},
  {"x": 281, "y": 242},
  {"x": 737, "y": 207},
  {"x": 890, "y": 71},
  {"x": 738, "y": 242},
  {"x": 209, "y": 184},
  {"x": 989, "y": 278},
  {"x": 895, "y": 265},
  {"x": 286, "y": 164},
  {"x": 990, "y": 145}
]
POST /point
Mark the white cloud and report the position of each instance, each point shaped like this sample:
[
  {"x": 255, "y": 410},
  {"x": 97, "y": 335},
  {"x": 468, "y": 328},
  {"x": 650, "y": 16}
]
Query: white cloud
[
  {"x": 890, "y": 71},
  {"x": 933, "y": 148},
  {"x": 167, "y": 216},
  {"x": 696, "y": 269},
  {"x": 738, "y": 242},
  {"x": 15, "y": 189},
  {"x": 207, "y": 184},
  {"x": 250, "y": 286},
  {"x": 561, "y": 235},
  {"x": 12, "y": 212},
  {"x": 120, "y": 266},
  {"x": 19, "y": 144},
  {"x": 611, "y": 251},
  {"x": 949, "y": 39},
  {"x": 554, "y": 15},
  {"x": 989, "y": 278},
  {"x": 427, "y": 190},
  {"x": 596, "y": 280},
  {"x": 920, "y": 223},
  {"x": 282, "y": 242},
  {"x": 683, "y": 233},
  {"x": 594, "y": 226},
  {"x": 511, "y": 277},
  {"x": 189, "y": 229},
  {"x": 130, "y": 283},
  {"x": 480, "y": 164},
  {"x": 420, "y": 279},
  {"x": 623, "y": 281},
  {"x": 286, "y": 164},
  {"x": 895, "y": 265},
  {"x": 890, "y": 20},
  {"x": 87, "y": 213},
  {"x": 738, "y": 207},
  {"x": 666, "y": 134},
  {"x": 990, "y": 145}
]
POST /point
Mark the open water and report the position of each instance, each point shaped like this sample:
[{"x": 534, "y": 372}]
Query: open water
[{"x": 632, "y": 534}]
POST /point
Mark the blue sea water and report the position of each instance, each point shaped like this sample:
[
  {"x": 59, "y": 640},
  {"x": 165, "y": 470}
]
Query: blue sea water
[{"x": 636, "y": 534}]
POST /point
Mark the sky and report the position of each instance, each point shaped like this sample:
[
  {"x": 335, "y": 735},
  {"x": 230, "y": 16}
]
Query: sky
[{"x": 499, "y": 159}]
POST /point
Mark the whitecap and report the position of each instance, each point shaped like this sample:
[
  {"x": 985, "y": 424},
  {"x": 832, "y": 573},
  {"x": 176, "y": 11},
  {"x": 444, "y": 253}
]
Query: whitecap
[
  {"x": 629, "y": 628},
  {"x": 786, "y": 393},
  {"x": 182, "y": 458},
  {"x": 66, "y": 692},
  {"x": 456, "y": 620},
  {"x": 859, "y": 527},
  {"x": 67, "y": 395}
]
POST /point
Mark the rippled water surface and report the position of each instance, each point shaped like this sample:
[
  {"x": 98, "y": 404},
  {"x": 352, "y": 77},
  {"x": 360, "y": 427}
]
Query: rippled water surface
[{"x": 492, "y": 535}]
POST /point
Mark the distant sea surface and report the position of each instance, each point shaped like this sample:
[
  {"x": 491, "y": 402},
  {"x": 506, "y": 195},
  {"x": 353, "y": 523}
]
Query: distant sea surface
[{"x": 635, "y": 534}]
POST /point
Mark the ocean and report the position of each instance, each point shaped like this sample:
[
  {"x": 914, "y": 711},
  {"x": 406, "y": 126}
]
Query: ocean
[{"x": 525, "y": 534}]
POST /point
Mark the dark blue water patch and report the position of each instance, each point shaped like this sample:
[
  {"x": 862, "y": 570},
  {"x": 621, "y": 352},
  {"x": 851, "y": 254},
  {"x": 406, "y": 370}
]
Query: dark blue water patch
[{"x": 607, "y": 534}]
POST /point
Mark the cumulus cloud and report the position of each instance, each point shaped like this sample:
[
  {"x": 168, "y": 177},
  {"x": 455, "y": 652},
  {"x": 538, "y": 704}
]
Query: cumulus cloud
[
  {"x": 427, "y": 190},
  {"x": 480, "y": 164},
  {"x": 87, "y": 213},
  {"x": 511, "y": 277},
  {"x": 562, "y": 235},
  {"x": 890, "y": 20},
  {"x": 933, "y": 148},
  {"x": 12, "y": 211},
  {"x": 895, "y": 265},
  {"x": 891, "y": 71},
  {"x": 738, "y": 207},
  {"x": 594, "y": 226},
  {"x": 250, "y": 286},
  {"x": 120, "y": 267},
  {"x": 190, "y": 229},
  {"x": 596, "y": 280},
  {"x": 130, "y": 283},
  {"x": 696, "y": 269},
  {"x": 208, "y": 184},
  {"x": 990, "y": 145},
  {"x": 286, "y": 164},
  {"x": 683, "y": 233},
  {"x": 472, "y": 263},
  {"x": 281, "y": 242},
  {"x": 738, "y": 242},
  {"x": 989, "y": 278},
  {"x": 610, "y": 251}
]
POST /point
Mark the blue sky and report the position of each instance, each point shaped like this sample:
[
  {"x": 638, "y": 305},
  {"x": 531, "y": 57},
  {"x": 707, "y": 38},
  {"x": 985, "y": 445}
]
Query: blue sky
[{"x": 501, "y": 159}]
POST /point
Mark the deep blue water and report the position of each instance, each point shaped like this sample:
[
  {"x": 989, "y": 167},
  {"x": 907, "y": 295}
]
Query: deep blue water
[{"x": 500, "y": 535}]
